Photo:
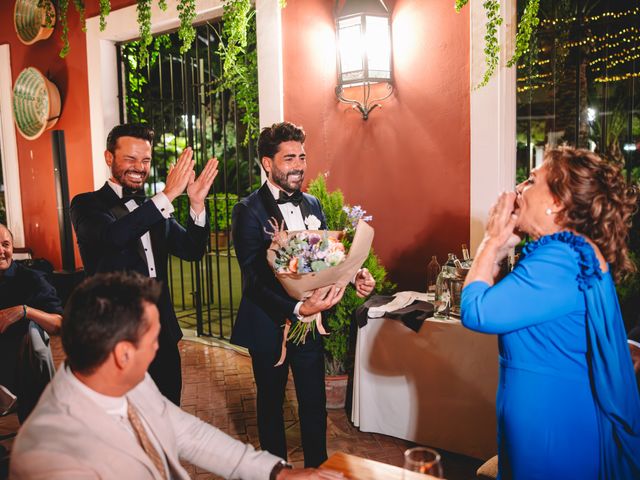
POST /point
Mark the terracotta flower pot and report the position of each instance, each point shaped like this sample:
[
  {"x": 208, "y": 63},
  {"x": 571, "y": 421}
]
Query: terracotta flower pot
[
  {"x": 336, "y": 389},
  {"x": 30, "y": 21}
]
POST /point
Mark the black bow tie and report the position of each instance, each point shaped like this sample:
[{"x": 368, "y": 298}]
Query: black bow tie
[
  {"x": 295, "y": 198},
  {"x": 136, "y": 195}
]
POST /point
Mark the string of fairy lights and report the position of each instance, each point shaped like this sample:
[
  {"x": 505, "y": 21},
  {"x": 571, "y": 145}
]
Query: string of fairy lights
[{"x": 606, "y": 53}]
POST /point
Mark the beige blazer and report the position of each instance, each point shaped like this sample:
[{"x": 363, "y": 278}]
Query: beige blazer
[{"x": 69, "y": 437}]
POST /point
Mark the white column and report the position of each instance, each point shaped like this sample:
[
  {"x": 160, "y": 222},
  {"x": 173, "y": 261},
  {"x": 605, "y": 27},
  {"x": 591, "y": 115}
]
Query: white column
[
  {"x": 9, "y": 151},
  {"x": 493, "y": 119},
  {"x": 270, "y": 82}
]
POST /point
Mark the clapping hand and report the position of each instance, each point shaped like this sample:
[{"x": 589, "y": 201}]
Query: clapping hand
[
  {"x": 198, "y": 188},
  {"x": 180, "y": 175},
  {"x": 364, "y": 283}
]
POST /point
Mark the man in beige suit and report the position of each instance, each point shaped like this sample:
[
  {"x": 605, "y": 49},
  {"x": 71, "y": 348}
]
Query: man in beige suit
[{"x": 102, "y": 417}]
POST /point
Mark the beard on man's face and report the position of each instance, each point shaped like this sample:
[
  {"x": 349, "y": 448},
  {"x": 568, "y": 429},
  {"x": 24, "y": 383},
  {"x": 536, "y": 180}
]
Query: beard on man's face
[
  {"x": 288, "y": 181},
  {"x": 131, "y": 177}
]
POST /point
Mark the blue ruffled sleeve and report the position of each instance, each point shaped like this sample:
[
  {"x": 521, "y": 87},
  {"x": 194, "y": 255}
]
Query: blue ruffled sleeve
[{"x": 542, "y": 287}]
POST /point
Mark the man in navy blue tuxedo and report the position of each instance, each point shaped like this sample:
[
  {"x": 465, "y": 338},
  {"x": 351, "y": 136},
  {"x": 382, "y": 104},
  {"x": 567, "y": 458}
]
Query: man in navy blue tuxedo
[
  {"x": 265, "y": 305},
  {"x": 118, "y": 229}
]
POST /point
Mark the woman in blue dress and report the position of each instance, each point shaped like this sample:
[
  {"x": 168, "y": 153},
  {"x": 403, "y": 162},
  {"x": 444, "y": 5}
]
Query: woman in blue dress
[{"x": 567, "y": 404}]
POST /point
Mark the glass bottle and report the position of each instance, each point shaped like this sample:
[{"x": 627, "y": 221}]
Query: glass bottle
[
  {"x": 433, "y": 270},
  {"x": 443, "y": 297},
  {"x": 466, "y": 257},
  {"x": 442, "y": 302}
]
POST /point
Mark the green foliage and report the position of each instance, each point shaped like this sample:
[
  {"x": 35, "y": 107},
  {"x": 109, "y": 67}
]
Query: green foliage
[
  {"x": 105, "y": 9},
  {"x": 79, "y": 4},
  {"x": 220, "y": 208},
  {"x": 338, "y": 319},
  {"x": 460, "y": 4},
  {"x": 187, "y": 14},
  {"x": 237, "y": 49},
  {"x": 63, "y": 6},
  {"x": 143, "y": 9},
  {"x": 332, "y": 203},
  {"x": 526, "y": 31},
  {"x": 219, "y": 205},
  {"x": 491, "y": 45}
]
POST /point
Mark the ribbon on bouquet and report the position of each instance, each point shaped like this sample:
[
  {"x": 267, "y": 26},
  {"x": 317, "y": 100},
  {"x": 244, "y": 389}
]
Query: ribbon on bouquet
[{"x": 317, "y": 318}]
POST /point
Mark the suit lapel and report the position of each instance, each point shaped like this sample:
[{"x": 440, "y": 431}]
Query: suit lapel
[
  {"x": 270, "y": 204},
  {"x": 118, "y": 209},
  {"x": 97, "y": 420},
  {"x": 305, "y": 209}
]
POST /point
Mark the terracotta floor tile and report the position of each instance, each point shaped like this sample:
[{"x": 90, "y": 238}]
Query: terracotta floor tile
[{"x": 219, "y": 389}]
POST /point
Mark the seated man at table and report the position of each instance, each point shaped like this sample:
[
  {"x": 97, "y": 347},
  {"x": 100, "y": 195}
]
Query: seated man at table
[
  {"x": 103, "y": 417},
  {"x": 29, "y": 310}
]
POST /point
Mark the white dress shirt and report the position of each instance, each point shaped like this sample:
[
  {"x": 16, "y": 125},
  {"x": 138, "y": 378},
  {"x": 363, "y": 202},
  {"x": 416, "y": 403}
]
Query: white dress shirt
[
  {"x": 293, "y": 218},
  {"x": 290, "y": 212},
  {"x": 163, "y": 205}
]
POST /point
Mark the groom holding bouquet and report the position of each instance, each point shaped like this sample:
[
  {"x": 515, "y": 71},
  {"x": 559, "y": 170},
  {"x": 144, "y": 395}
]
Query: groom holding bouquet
[{"x": 265, "y": 306}]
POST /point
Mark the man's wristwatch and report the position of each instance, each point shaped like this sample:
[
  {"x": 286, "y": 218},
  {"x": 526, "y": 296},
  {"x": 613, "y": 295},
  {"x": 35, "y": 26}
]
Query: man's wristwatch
[{"x": 281, "y": 465}]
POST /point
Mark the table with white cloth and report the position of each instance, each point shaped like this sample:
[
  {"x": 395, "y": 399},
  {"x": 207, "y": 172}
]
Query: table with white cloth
[{"x": 436, "y": 387}]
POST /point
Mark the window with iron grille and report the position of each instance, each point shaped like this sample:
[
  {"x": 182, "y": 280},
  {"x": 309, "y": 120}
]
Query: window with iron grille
[{"x": 179, "y": 95}]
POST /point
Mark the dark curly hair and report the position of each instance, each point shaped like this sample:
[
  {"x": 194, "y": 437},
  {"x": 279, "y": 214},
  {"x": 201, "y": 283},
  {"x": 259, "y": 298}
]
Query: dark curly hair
[
  {"x": 271, "y": 138},
  {"x": 597, "y": 202}
]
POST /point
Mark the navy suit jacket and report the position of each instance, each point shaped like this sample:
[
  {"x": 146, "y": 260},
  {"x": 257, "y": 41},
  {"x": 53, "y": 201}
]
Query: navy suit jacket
[
  {"x": 109, "y": 240},
  {"x": 265, "y": 305}
]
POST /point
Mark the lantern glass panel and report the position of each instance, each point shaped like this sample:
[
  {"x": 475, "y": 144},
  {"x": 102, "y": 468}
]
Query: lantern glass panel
[
  {"x": 378, "y": 44},
  {"x": 351, "y": 48}
]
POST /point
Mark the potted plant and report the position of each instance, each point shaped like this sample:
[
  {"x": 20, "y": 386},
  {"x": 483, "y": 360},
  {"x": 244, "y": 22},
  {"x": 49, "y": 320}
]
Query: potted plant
[
  {"x": 338, "y": 319},
  {"x": 220, "y": 208}
]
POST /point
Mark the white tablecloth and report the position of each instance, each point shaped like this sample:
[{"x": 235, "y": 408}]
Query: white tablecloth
[{"x": 436, "y": 387}]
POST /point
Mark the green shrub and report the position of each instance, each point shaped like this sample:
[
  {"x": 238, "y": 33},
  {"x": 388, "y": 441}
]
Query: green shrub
[{"x": 338, "y": 319}]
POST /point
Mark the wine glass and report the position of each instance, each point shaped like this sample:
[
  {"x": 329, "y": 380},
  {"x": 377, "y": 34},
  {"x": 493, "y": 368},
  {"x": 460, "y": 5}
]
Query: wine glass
[{"x": 423, "y": 460}]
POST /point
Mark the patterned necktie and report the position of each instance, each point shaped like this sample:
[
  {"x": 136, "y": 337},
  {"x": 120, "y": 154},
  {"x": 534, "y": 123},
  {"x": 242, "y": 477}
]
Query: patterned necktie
[{"x": 144, "y": 440}]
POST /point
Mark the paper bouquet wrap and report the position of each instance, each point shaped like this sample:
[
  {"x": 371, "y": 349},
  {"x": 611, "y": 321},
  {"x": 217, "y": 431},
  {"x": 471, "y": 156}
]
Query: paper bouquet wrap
[{"x": 300, "y": 283}]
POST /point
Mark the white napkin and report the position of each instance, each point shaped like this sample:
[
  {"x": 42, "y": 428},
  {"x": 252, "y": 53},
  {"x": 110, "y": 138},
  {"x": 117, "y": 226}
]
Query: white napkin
[{"x": 401, "y": 300}]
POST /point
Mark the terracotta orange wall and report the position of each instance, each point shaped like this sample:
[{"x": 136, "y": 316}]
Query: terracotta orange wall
[
  {"x": 35, "y": 156},
  {"x": 408, "y": 165}
]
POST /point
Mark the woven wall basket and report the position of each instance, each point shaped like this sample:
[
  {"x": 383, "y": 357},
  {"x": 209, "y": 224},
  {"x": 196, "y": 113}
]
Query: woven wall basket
[
  {"x": 30, "y": 21},
  {"x": 36, "y": 103}
]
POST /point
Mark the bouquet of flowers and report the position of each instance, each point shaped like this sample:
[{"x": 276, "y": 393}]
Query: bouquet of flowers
[
  {"x": 308, "y": 251},
  {"x": 306, "y": 260}
]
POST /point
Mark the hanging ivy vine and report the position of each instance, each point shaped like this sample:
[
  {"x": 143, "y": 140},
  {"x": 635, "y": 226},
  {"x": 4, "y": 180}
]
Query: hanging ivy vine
[
  {"x": 526, "y": 31},
  {"x": 237, "y": 49},
  {"x": 186, "y": 14}
]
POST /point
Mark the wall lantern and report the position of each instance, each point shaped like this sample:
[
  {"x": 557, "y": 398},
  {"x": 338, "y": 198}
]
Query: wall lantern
[{"x": 363, "y": 33}]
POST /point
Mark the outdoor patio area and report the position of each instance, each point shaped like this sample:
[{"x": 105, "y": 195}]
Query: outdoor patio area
[{"x": 219, "y": 389}]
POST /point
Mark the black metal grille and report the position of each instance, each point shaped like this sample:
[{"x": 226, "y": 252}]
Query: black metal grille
[{"x": 177, "y": 95}]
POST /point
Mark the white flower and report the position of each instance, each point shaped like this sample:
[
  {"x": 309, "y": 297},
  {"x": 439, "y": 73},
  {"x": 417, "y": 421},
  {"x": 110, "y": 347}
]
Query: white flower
[{"x": 312, "y": 222}]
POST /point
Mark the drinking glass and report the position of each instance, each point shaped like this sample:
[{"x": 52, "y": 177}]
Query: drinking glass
[{"x": 423, "y": 460}]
